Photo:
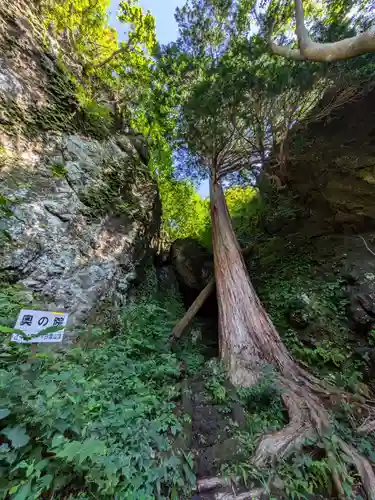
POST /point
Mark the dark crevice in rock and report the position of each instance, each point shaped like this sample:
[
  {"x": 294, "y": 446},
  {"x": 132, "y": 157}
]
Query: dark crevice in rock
[{"x": 56, "y": 214}]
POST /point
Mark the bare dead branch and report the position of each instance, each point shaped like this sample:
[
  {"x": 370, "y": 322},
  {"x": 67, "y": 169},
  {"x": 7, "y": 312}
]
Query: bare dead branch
[
  {"x": 236, "y": 167},
  {"x": 255, "y": 494},
  {"x": 366, "y": 245},
  {"x": 211, "y": 483},
  {"x": 221, "y": 153},
  {"x": 324, "y": 52}
]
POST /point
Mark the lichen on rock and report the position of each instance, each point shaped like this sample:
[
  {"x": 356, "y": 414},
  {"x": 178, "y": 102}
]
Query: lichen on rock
[{"x": 76, "y": 238}]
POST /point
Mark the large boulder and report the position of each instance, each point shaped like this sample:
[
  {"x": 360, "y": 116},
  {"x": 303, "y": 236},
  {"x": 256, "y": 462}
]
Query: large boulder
[
  {"x": 83, "y": 214},
  {"x": 314, "y": 261},
  {"x": 192, "y": 263},
  {"x": 193, "y": 267},
  {"x": 329, "y": 162}
]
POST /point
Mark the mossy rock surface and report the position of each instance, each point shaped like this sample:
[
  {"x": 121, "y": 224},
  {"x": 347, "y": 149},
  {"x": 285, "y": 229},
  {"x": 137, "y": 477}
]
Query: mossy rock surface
[{"x": 78, "y": 237}]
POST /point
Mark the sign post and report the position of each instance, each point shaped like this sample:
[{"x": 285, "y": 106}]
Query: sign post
[
  {"x": 33, "y": 349},
  {"x": 49, "y": 324}
]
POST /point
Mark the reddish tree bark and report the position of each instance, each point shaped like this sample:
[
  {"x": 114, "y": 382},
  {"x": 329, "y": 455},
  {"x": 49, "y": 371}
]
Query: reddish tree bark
[
  {"x": 247, "y": 338},
  {"x": 248, "y": 341},
  {"x": 181, "y": 326}
]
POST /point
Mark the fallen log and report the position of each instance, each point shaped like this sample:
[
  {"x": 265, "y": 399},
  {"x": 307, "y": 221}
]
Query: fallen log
[
  {"x": 207, "y": 484},
  {"x": 186, "y": 320},
  {"x": 178, "y": 330}
]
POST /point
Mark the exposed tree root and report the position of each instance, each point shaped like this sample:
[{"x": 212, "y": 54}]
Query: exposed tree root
[
  {"x": 308, "y": 402},
  {"x": 364, "y": 469},
  {"x": 336, "y": 478},
  {"x": 367, "y": 427},
  {"x": 308, "y": 417},
  {"x": 248, "y": 341},
  {"x": 280, "y": 444},
  {"x": 207, "y": 484}
]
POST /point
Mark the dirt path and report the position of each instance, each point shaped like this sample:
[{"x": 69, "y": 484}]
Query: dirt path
[{"x": 212, "y": 440}]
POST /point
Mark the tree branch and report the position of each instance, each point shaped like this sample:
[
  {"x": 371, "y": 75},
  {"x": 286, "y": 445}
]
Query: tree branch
[
  {"x": 324, "y": 52},
  {"x": 113, "y": 55},
  {"x": 236, "y": 167},
  {"x": 87, "y": 8},
  {"x": 366, "y": 245}
]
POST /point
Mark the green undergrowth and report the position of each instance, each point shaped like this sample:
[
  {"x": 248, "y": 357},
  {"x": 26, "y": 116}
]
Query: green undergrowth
[
  {"x": 262, "y": 403},
  {"x": 309, "y": 309},
  {"x": 99, "y": 421},
  {"x": 305, "y": 472},
  {"x": 12, "y": 299}
]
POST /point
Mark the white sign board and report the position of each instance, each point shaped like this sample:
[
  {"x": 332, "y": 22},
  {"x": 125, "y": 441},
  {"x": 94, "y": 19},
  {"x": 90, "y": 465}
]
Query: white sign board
[{"x": 32, "y": 322}]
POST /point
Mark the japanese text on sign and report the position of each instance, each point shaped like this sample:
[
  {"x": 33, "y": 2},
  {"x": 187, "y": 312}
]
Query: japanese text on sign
[{"x": 32, "y": 322}]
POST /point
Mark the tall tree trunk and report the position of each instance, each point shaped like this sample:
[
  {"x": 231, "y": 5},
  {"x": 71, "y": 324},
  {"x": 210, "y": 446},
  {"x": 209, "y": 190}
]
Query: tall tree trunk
[
  {"x": 248, "y": 342},
  {"x": 190, "y": 314},
  {"x": 247, "y": 338}
]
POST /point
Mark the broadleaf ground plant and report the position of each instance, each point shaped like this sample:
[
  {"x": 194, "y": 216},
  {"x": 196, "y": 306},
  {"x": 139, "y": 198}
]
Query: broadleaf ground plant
[{"x": 96, "y": 422}]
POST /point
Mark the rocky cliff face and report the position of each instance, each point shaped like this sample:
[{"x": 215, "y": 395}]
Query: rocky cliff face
[
  {"x": 77, "y": 215},
  {"x": 83, "y": 215},
  {"x": 330, "y": 165},
  {"x": 36, "y": 84},
  {"x": 314, "y": 265}
]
